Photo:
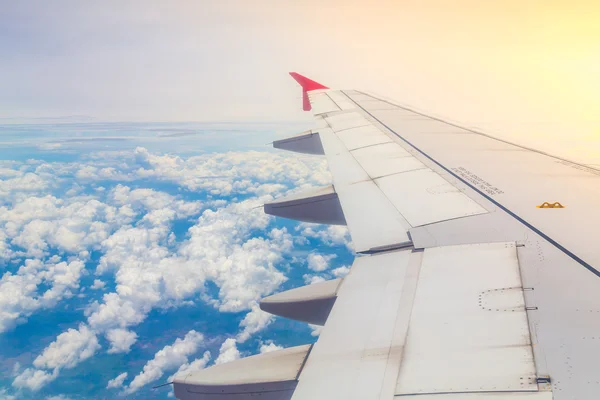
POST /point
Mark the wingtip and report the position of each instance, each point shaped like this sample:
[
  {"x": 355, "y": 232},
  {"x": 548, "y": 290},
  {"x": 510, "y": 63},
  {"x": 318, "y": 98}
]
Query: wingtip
[{"x": 307, "y": 83}]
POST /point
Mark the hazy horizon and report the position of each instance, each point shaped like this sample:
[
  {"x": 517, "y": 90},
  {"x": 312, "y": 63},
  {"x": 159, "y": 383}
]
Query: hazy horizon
[{"x": 528, "y": 71}]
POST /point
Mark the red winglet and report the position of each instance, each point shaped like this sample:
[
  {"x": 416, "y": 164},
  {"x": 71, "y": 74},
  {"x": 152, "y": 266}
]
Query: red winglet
[{"x": 307, "y": 85}]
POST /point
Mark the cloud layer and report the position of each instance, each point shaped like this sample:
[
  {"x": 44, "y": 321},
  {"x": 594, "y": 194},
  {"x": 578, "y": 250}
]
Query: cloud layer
[{"x": 56, "y": 218}]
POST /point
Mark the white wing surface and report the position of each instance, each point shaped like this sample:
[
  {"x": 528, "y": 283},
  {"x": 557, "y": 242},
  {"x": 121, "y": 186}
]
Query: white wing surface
[{"x": 476, "y": 274}]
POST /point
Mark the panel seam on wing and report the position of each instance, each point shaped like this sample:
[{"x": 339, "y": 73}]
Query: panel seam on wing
[{"x": 366, "y": 173}]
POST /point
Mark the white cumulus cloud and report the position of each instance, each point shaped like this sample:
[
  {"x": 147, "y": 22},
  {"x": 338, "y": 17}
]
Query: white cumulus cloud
[
  {"x": 34, "y": 379},
  {"x": 68, "y": 349},
  {"x": 23, "y": 183},
  {"x": 117, "y": 382},
  {"x": 319, "y": 262},
  {"x": 255, "y": 321},
  {"x": 58, "y": 397},
  {"x": 20, "y": 295},
  {"x": 120, "y": 340},
  {"x": 4, "y": 395},
  {"x": 196, "y": 365},
  {"x": 230, "y": 245},
  {"x": 268, "y": 347},
  {"x": 98, "y": 284},
  {"x": 340, "y": 272},
  {"x": 169, "y": 357},
  {"x": 220, "y": 248},
  {"x": 228, "y": 352},
  {"x": 312, "y": 279},
  {"x": 329, "y": 234},
  {"x": 234, "y": 172}
]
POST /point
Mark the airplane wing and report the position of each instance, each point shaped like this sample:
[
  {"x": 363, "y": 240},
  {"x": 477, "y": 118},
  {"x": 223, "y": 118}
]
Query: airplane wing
[{"x": 476, "y": 275}]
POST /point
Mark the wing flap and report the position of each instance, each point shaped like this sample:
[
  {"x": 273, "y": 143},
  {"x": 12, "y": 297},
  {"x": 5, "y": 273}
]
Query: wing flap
[
  {"x": 357, "y": 354},
  {"x": 379, "y": 226},
  {"x": 399, "y": 329},
  {"x": 471, "y": 335}
]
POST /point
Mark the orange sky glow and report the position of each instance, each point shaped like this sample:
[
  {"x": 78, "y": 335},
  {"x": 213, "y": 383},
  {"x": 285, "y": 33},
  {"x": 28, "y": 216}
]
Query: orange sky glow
[{"x": 525, "y": 70}]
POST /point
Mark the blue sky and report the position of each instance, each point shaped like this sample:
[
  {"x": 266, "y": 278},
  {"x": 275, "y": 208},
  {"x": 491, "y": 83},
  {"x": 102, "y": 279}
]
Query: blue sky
[{"x": 118, "y": 256}]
